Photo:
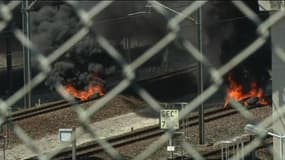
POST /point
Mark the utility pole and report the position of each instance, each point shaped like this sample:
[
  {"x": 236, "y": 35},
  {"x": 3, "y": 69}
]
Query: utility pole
[
  {"x": 26, "y": 51},
  {"x": 201, "y": 78}
]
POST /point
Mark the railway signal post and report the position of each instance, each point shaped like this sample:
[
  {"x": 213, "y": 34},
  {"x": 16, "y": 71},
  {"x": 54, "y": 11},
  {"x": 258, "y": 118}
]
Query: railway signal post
[
  {"x": 67, "y": 135},
  {"x": 169, "y": 119}
]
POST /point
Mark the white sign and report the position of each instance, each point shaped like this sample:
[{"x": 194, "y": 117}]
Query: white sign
[
  {"x": 273, "y": 5},
  {"x": 65, "y": 134},
  {"x": 170, "y": 148},
  {"x": 169, "y": 118}
]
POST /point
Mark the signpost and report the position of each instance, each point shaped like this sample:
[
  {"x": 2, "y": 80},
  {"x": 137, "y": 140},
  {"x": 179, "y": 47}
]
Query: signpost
[
  {"x": 67, "y": 135},
  {"x": 169, "y": 118}
]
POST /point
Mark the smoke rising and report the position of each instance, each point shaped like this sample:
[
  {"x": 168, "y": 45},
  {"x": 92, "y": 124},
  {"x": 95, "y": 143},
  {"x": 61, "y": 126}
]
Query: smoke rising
[
  {"x": 256, "y": 67},
  {"x": 87, "y": 62},
  {"x": 53, "y": 25},
  {"x": 226, "y": 33}
]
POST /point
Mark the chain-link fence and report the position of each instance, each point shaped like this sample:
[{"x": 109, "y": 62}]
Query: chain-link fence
[{"x": 173, "y": 33}]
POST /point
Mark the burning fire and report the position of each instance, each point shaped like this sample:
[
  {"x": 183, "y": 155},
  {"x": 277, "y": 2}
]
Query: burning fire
[
  {"x": 84, "y": 95},
  {"x": 235, "y": 92}
]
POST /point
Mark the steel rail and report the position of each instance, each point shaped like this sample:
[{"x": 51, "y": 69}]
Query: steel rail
[
  {"x": 61, "y": 104},
  {"x": 46, "y": 108},
  {"x": 92, "y": 148}
]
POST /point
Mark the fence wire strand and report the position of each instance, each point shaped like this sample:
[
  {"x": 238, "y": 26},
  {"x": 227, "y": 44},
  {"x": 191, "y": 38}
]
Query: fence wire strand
[{"x": 129, "y": 72}]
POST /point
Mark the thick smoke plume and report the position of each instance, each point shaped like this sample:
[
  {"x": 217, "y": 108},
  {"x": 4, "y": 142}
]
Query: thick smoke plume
[
  {"x": 224, "y": 35},
  {"x": 53, "y": 25},
  {"x": 256, "y": 67}
]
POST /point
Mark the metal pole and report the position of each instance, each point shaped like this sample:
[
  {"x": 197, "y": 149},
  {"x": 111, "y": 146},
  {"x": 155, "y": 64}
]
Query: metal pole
[
  {"x": 9, "y": 65},
  {"x": 252, "y": 155},
  {"x": 26, "y": 51},
  {"x": 171, "y": 144},
  {"x": 128, "y": 49},
  {"x": 281, "y": 147},
  {"x": 73, "y": 144},
  {"x": 4, "y": 148},
  {"x": 222, "y": 152},
  {"x": 201, "y": 79},
  {"x": 242, "y": 153}
]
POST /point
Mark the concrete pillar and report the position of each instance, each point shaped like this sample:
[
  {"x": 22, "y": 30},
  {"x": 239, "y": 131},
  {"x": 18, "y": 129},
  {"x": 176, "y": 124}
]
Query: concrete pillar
[{"x": 278, "y": 84}]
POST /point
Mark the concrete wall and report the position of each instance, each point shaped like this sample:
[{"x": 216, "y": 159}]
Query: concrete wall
[{"x": 278, "y": 76}]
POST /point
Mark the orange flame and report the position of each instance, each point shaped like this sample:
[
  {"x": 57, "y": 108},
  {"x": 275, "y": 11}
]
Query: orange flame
[
  {"x": 235, "y": 92},
  {"x": 86, "y": 94}
]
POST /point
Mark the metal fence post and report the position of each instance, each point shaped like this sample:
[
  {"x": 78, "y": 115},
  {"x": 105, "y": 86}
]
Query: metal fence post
[
  {"x": 225, "y": 150},
  {"x": 281, "y": 147},
  {"x": 4, "y": 148},
  {"x": 26, "y": 51}
]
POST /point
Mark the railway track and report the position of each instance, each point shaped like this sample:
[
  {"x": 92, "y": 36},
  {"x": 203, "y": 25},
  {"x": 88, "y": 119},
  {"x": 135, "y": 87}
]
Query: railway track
[
  {"x": 49, "y": 107},
  {"x": 92, "y": 148},
  {"x": 61, "y": 104},
  {"x": 137, "y": 135},
  {"x": 46, "y": 108}
]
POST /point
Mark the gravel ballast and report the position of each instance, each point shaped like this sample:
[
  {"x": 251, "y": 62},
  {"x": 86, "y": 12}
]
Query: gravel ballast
[
  {"x": 221, "y": 129},
  {"x": 46, "y": 124},
  {"x": 43, "y": 126}
]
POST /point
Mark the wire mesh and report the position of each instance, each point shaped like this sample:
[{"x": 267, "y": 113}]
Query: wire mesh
[{"x": 129, "y": 69}]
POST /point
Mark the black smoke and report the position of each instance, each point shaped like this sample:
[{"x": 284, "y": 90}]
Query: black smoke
[
  {"x": 52, "y": 25},
  {"x": 256, "y": 67},
  {"x": 225, "y": 35}
]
